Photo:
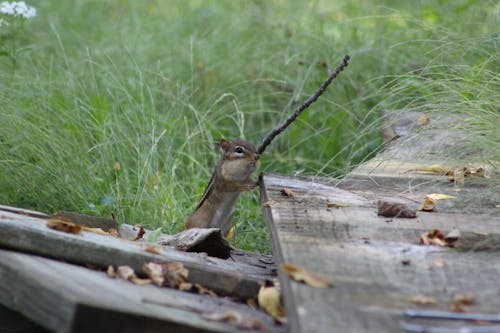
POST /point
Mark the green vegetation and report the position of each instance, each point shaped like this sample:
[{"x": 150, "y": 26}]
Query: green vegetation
[{"x": 117, "y": 106}]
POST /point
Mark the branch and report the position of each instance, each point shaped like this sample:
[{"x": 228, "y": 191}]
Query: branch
[{"x": 277, "y": 130}]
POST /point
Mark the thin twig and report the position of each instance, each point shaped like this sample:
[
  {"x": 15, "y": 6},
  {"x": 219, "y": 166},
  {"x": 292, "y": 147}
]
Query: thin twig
[{"x": 304, "y": 106}]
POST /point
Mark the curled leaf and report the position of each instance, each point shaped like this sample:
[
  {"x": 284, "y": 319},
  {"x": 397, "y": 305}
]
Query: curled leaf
[
  {"x": 287, "y": 192},
  {"x": 300, "y": 274},
  {"x": 270, "y": 301},
  {"x": 436, "y": 237},
  {"x": 428, "y": 205},
  {"x": 140, "y": 233}
]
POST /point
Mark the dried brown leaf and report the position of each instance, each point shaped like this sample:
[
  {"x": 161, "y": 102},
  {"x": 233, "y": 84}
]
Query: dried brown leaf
[
  {"x": 465, "y": 298},
  {"x": 287, "y": 192},
  {"x": 436, "y": 237},
  {"x": 98, "y": 231},
  {"x": 153, "y": 249},
  {"x": 428, "y": 205},
  {"x": 395, "y": 209},
  {"x": 138, "y": 281},
  {"x": 113, "y": 232},
  {"x": 64, "y": 226},
  {"x": 433, "y": 237},
  {"x": 300, "y": 274},
  {"x": 125, "y": 272},
  {"x": 171, "y": 274},
  {"x": 140, "y": 233},
  {"x": 155, "y": 272},
  {"x": 423, "y": 300},
  {"x": 236, "y": 319}
]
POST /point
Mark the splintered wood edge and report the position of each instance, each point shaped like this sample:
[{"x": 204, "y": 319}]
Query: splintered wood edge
[{"x": 286, "y": 288}]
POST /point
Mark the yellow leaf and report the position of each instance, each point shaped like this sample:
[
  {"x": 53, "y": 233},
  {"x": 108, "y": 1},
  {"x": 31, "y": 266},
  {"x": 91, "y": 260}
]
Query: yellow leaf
[
  {"x": 270, "y": 301},
  {"x": 439, "y": 196},
  {"x": 435, "y": 168},
  {"x": 300, "y": 274},
  {"x": 230, "y": 234},
  {"x": 337, "y": 205}
]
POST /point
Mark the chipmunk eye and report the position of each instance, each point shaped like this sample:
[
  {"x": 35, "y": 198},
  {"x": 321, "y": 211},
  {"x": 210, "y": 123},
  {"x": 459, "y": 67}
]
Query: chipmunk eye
[{"x": 238, "y": 150}]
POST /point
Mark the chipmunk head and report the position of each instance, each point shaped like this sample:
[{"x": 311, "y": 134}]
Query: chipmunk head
[{"x": 240, "y": 158}]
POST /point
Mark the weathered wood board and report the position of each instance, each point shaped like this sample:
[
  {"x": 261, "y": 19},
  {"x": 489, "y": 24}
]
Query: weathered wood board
[
  {"x": 364, "y": 254},
  {"x": 67, "y": 298},
  {"x": 31, "y": 235}
]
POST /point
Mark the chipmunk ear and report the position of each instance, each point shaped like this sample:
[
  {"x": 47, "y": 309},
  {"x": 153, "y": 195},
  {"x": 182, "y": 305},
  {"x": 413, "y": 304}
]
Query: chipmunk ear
[{"x": 224, "y": 144}]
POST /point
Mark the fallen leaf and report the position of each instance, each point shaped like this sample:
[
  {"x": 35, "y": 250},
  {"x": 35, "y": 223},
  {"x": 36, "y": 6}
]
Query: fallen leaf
[
  {"x": 300, "y": 274},
  {"x": 236, "y": 319},
  {"x": 439, "y": 196},
  {"x": 436, "y": 237},
  {"x": 270, "y": 301},
  {"x": 428, "y": 205},
  {"x": 153, "y": 249},
  {"x": 230, "y": 234},
  {"x": 395, "y": 209},
  {"x": 98, "y": 231},
  {"x": 423, "y": 300},
  {"x": 287, "y": 192},
  {"x": 433, "y": 237},
  {"x": 113, "y": 232},
  {"x": 171, "y": 274},
  {"x": 336, "y": 205},
  {"x": 465, "y": 298},
  {"x": 64, "y": 226},
  {"x": 140, "y": 233},
  {"x": 436, "y": 168},
  {"x": 125, "y": 272},
  {"x": 138, "y": 281}
]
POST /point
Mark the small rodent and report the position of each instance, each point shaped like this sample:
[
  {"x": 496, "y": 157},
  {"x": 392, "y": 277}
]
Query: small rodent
[{"x": 231, "y": 177}]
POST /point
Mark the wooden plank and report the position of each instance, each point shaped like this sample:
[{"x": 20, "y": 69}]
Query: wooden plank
[
  {"x": 68, "y": 298},
  {"x": 363, "y": 254},
  {"x": 27, "y": 234}
]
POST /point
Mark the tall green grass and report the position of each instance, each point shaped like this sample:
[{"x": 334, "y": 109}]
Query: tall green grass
[{"x": 118, "y": 106}]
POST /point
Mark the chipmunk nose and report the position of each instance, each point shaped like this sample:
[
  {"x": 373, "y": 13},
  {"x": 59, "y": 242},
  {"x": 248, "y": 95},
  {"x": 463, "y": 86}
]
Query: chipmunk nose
[{"x": 256, "y": 157}]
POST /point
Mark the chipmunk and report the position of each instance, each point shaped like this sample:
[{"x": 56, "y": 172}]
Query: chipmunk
[{"x": 231, "y": 177}]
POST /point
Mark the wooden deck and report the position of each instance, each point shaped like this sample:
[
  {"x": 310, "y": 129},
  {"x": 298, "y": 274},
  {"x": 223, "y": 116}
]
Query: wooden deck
[
  {"x": 378, "y": 264},
  {"x": 55, "y": 281}
]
